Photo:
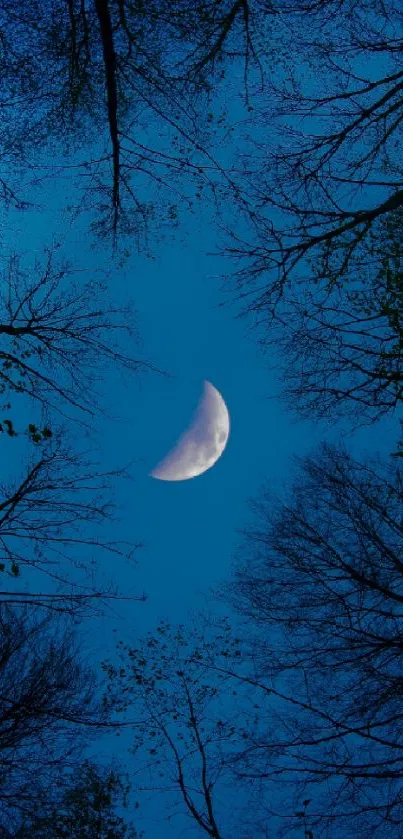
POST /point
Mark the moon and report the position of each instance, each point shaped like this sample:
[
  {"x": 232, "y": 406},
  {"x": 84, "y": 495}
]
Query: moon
[{"x": 199, "y": 448}]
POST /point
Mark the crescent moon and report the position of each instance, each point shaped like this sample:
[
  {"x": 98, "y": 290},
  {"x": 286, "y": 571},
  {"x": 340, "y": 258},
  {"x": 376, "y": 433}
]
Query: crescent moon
[{"x": 199, "y": 448}]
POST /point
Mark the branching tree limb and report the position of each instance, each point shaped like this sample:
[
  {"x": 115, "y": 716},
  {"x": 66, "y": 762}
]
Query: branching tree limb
[
  {"x": 44, "y": 521},
  {"x": 57, "y": 336}
]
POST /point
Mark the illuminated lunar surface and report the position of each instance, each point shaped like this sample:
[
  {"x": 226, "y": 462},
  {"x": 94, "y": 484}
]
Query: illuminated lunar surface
[{"x": 202, "y": 443}]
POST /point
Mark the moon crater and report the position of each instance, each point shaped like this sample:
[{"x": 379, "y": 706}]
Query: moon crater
[{"x": 199, "y": 448}]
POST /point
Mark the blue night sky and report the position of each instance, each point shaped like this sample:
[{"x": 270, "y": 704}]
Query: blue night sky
[{"x": 188, "y": 529}]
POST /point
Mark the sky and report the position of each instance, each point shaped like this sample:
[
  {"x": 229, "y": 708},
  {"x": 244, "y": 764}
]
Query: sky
[{"x": 188, "y": 529}]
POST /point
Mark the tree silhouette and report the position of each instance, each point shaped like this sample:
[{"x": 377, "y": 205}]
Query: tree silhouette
[
  {"x": 49, "y": 519},
  {"x": 57, "y": 336},
  {"x": 130, "y": 74},
  {"x": 341, "y": 345},
  {"x": 87, "y": 808},
  {"x": 323, "y": 168},
  {"x": 49, "y": 712},
  {"x": 184, "y": 730},
  {"x": 319, "y": 581}
]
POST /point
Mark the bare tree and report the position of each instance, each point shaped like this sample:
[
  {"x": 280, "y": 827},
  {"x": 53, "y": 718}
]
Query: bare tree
[
  {"x": 341, "y": 346},
  {"x": 185, "y": 727},
  {"x": 319, "y": 582},
  {"x": 321, "y": 166},
  {"x": 58, "y": 336},
  {"x": 49, "y": 712},
  {"x": 49, "y": 523},
  {"x": 127, "y": 72},
  {"x": 142, "y": 78}
]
